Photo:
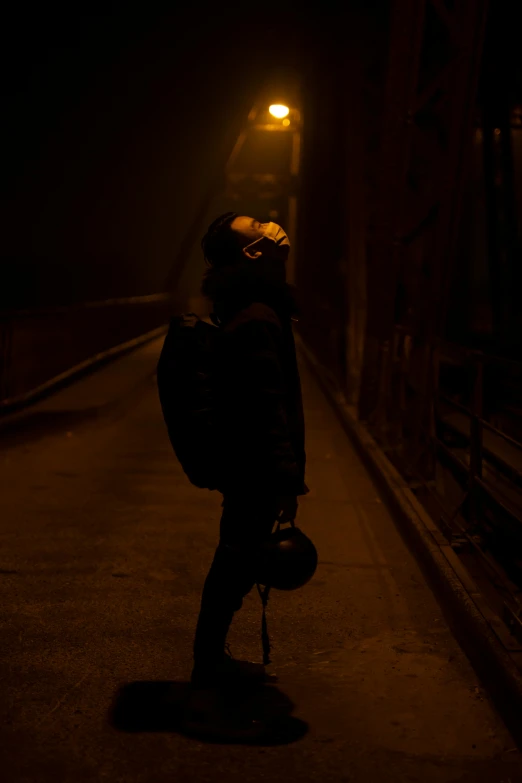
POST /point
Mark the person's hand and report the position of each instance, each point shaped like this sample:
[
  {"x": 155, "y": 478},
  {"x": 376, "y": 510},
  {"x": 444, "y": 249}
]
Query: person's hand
[{"x": 287, "y": 509}]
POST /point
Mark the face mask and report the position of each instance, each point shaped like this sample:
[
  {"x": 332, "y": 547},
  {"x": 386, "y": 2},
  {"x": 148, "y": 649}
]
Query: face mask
[
  {"x": 273, "y": 243},
  {"x": 276, "y": 233}
]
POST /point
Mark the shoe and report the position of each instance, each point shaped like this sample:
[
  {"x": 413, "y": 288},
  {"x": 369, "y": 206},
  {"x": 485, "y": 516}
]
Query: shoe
[
  {"x": 228, "y": 670},
  {"x": 244, "y": 670}
]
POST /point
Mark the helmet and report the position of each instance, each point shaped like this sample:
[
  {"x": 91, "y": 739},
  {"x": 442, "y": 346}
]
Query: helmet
[{"x": 287, "y": 559}]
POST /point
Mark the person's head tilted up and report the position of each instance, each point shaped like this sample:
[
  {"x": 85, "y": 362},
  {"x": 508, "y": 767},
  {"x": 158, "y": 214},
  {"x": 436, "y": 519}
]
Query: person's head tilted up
[
  {"x": 246, "y": 262},
  {"x": 232, "y": 239}
]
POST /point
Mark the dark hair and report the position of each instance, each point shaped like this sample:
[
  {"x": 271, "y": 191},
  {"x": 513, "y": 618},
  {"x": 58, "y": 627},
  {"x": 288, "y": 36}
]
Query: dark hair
[{"x": 220, "y": 244}]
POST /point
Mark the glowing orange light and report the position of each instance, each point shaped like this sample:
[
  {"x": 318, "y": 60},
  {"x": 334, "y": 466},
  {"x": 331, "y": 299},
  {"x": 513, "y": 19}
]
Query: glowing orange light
[{"x": 278, "y": 110}]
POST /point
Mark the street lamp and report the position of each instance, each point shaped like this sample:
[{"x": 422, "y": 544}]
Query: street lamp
[{"x": 278, "y": 110}]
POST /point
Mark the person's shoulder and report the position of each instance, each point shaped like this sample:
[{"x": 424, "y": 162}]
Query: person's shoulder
[{"x": 256, "y": 313}]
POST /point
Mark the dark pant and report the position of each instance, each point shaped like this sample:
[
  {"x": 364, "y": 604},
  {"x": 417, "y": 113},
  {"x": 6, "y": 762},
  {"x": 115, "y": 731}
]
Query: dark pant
[{"x": 244, "y": 523}]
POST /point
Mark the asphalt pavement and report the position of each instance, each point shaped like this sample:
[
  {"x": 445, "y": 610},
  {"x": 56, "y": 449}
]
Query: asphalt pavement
[{"x": 104, "y": 548}]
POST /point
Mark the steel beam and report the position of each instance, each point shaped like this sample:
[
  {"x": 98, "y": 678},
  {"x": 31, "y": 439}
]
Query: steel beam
[{"x": 434, "y": 59}]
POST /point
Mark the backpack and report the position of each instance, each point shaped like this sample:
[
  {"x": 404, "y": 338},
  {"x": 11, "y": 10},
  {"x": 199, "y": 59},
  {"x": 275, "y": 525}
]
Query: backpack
[{"x": 185, "y": 385}]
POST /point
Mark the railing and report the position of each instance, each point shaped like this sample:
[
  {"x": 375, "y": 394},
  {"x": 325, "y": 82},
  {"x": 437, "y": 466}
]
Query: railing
[
  {"x": 425, "y": 426},
  {"x": 42, "y": 346}
]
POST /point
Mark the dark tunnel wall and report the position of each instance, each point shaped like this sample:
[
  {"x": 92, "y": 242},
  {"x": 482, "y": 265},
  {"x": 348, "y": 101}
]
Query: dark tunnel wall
[
  {"x": 116, "y": 124},
  {"x": 343, "y": 78},
  {"x": 319, "y": 270},
  {"x": 484, "y": 308}
]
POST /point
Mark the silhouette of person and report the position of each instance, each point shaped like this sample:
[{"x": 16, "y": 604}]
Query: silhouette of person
[{"x": 261, "y": 459}]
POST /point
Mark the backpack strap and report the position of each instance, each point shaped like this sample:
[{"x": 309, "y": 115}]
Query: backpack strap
[{"x": 258, "y": 311}]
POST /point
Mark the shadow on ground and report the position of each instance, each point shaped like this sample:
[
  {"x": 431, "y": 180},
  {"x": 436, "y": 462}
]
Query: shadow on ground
[{"x": 160, "y": 707}]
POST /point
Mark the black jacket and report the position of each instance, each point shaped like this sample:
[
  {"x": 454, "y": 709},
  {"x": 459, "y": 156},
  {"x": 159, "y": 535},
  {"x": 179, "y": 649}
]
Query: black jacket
[{"x": 259, "y": 403}]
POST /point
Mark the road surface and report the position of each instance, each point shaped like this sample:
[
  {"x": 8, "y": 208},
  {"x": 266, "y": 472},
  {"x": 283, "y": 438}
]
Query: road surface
[{"x": 104, "y": 550}]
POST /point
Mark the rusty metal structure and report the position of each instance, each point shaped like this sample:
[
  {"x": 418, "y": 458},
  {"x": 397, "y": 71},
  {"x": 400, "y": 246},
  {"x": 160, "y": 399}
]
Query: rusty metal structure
[
  {"x": 432, "y": 78},
  {"x": 435, "y": 378}
]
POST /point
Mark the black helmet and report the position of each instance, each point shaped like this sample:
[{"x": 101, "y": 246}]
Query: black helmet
[{"x": 287, "y": 560}]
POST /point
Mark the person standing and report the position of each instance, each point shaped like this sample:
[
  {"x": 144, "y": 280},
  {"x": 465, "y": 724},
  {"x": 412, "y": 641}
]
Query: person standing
[{"x": 260, "y": 423}]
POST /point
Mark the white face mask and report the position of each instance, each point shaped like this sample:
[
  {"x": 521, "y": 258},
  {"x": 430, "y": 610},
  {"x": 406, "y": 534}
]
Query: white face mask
[
  {"x": 275, "y": 232},
  {"x": 274, "y": 242}
]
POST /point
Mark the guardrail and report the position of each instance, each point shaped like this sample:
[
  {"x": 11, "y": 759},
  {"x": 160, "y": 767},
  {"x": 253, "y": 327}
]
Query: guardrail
[
  {"x": 424, "y": 425},
  {"x": 43, "y": 346}
]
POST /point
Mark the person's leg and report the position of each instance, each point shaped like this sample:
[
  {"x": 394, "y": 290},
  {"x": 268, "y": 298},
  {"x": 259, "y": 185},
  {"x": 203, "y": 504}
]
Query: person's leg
[{"x": 243, "y": 525}]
